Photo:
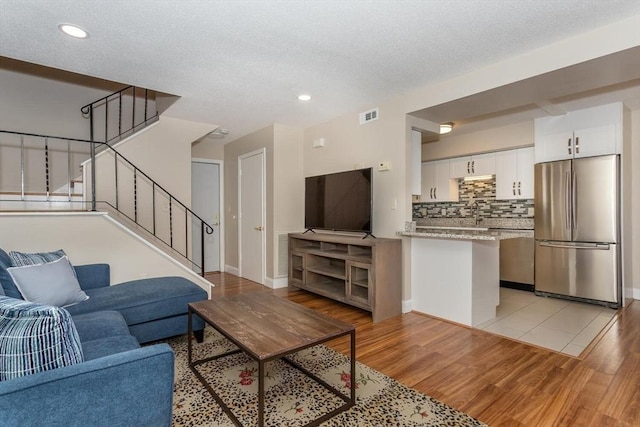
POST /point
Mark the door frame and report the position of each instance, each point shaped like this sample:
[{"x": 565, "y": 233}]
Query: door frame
[
  {"x": 220, "y": 164},
  {"x": 261, "y": 151}
]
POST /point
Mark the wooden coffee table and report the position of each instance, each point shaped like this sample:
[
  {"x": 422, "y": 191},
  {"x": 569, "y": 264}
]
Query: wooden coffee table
[{"x": 266, "y": 327}]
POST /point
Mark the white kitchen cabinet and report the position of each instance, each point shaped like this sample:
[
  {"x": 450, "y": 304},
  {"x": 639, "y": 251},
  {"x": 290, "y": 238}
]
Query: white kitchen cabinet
[
  {"x": 584, "y": 133},
  {"x": 437, "y": 186},
  {"x": 482, "y": 164},
  {"x": 514, "y": 174}
]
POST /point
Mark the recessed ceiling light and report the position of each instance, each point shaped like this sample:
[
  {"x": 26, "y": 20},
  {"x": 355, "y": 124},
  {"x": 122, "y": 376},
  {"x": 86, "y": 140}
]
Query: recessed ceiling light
[
  {"x": 304, "y": 97},
  {"x": 73, "y": 31}
]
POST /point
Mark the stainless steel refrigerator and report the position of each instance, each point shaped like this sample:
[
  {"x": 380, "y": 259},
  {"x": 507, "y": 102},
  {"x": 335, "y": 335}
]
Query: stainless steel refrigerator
[{"x": 577, "y": 229}]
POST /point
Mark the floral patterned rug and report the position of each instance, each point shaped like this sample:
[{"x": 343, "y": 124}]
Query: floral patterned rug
[{"x": 292, "y": 398}]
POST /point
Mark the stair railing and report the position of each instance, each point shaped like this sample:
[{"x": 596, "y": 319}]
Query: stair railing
[
  {"x": 120, "y": 114},
  {"x": 175, "y": 207}
]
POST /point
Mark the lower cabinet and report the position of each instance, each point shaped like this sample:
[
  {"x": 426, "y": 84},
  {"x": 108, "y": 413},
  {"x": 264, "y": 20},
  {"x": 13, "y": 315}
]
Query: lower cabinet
[{"x": 365, "y": 273}]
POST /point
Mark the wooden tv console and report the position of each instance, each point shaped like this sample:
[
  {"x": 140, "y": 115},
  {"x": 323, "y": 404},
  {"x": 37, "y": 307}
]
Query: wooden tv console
[{"x": 365, "y": 273}]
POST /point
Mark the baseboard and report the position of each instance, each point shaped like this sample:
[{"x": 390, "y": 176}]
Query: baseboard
[
  {"x": 407, "y": 306},
  {"x": 279, "y": 282},
  {"x": 516, "y": 285},
  {"x": 231, "y": 270}
]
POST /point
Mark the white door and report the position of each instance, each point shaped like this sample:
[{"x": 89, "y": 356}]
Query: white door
[
  {"x": 251, "y": 214},
  {"x": 205, "y": 202}
]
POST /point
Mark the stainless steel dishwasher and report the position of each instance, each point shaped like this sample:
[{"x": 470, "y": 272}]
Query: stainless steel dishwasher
[{"x": 516, "y": 263}]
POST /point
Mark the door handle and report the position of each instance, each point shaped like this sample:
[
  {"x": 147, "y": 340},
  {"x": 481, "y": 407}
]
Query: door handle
[
  {"x": 519, "y": 192},
  {"x": 468, "y": 167},
  {"x": 473, "y": 166},
  {"x": 513, "y": 188},
  {"x": 569, "y": 145},
  {"x": 259, "y": 228},
  {"x": 577, "y": 145},
  {"x": 598, "y": 246}
]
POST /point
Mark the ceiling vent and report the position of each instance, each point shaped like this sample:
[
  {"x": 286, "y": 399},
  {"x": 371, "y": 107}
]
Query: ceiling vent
[{"x": 369, "y": 116}]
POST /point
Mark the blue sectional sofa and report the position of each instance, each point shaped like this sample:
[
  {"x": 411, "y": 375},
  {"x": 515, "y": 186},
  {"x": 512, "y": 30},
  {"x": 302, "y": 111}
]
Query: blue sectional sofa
[{"x": 119, "y": 383}]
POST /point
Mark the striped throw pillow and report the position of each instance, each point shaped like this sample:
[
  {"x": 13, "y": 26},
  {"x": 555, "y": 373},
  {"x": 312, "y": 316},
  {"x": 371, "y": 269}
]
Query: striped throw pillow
[
  {"x": 20, "y": 259},
  {"x": 35, "y": 338}
]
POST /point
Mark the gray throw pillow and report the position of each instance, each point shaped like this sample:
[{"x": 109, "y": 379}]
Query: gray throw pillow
[
  {"x": 53, "y": 283},
  {"x": 20, "y": 259}
]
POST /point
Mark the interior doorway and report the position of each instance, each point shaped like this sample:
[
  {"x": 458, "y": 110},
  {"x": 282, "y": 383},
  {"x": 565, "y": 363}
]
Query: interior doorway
[
  {"x": 206, "y": 199},
  {"x": 251, "y": 215}
]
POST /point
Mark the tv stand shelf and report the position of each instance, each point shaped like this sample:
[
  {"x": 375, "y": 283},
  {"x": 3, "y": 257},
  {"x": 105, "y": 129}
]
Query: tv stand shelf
[{"x": 365, "y": 273}]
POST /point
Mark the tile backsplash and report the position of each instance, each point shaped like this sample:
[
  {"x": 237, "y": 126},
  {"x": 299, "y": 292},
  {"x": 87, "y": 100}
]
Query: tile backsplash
[{"x": 484, "y": 192}]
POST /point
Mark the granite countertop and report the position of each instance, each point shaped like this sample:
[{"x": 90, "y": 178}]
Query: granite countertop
[{"x": 471, "y": 234}]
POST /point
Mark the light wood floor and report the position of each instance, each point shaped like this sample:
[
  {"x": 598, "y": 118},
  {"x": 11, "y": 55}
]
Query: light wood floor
[{"x": 496, "y": 380}]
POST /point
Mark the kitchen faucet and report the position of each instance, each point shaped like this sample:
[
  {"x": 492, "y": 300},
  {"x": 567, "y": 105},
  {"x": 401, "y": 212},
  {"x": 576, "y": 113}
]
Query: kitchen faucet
[{"x": 475, "y": 206}]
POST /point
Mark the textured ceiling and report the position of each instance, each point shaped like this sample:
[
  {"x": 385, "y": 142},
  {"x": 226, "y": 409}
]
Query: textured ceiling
[{"x": 241, "y": 64}]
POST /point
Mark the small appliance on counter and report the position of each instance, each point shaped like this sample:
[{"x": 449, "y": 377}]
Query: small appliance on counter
[{"x": 577, "y": 229}]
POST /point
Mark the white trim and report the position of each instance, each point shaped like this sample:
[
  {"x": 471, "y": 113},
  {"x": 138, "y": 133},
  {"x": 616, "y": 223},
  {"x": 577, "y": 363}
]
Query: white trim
[
  {"x": 261, "y": 151},
  {"x": 277, "y": 283},
  {"x": 220, "y": 164},
  {"x": 232, "y": 270},
  {"x": 407, "y": 306}
]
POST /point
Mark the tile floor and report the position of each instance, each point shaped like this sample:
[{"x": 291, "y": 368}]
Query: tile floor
[{"x": 564, "y": 326}]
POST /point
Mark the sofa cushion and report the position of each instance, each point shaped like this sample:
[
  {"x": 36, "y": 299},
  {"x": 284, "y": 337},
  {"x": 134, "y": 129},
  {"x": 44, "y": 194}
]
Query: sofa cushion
[
  {"x": 101, "y": 324},
  {"x": 8, "y": 287},
  {"x": 19, "y": 259},
  {"x": 107, "y": 346},
  {"x": 53, "y": 283},
  {"x": 35, "y": 338},
  {"x": 143, "y": 300}
]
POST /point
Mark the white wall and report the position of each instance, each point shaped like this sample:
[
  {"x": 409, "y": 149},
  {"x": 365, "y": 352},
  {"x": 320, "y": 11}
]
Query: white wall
[{"x": 91, "y": 238}]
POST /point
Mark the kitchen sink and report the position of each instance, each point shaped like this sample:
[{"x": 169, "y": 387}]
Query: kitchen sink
[{"x": 454, "y": 228}]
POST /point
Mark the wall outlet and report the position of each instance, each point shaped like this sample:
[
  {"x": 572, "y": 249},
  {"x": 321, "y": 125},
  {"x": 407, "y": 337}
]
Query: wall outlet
[
  {"x": 444, "y": 212},
  {"x": 530, "y": 212}
]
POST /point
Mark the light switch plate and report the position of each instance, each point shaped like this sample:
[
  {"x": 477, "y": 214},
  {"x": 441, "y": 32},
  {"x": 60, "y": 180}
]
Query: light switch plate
[{"x": 531, "y": 212}]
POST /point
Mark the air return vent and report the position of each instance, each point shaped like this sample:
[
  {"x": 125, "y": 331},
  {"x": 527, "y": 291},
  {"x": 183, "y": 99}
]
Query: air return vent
[{"x": 369, "y": 116}]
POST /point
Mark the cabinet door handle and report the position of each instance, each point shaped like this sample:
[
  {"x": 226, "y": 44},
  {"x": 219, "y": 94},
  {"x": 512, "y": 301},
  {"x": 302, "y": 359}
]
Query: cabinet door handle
[
  {"x": 431, "y": 193},
  {"x": 473, "y": 166},
  {"x": 577, "y": 145},
  {"x": 513, "y": 188},
  {"x": 435, "y": 193},
  {"x": 569, "y": 145},
  {"x": 468, "y": 168},
  {"x": 519, "y": 192}
]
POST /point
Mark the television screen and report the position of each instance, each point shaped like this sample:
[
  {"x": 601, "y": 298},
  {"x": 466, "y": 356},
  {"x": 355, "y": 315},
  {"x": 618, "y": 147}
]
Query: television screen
[{"x": 339, "y": 201}]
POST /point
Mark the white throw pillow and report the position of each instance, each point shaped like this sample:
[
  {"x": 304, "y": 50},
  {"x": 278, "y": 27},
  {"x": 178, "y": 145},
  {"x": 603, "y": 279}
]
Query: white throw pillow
[{"x": 53, "y": 283}]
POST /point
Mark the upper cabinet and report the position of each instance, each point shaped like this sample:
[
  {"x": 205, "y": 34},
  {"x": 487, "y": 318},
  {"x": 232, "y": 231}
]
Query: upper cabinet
[
  {"x": 436, "y": 183},
  {"x": 483, "y": 164},
  {"x": 583, "y": 133},
  {"x": 514, "y": 174}
]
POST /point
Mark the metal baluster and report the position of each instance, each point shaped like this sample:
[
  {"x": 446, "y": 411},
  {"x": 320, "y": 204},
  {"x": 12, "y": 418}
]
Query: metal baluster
[
  {"x": 135, "y": 195},
  {"x": 146, "y": 103},
  {"x": 69, "y": 168},
  {"x": 93, "y": 161},
  {"x": 133, "y": 109},
  {"x": 46, "y": 165},
  {"x": 170, "y": 222},
  {"x": 120, "y": 113},
  {"x": 153, "y": 195},
  {"x": 22, "y": 167},
  {"x": 115, "y": 168},
  {"x": 202, "y": 246},
  {"x": 186, "y": 233}
]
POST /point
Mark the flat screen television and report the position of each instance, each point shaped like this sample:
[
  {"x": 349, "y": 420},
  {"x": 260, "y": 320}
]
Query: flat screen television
[{"x": 339, "y": 201}]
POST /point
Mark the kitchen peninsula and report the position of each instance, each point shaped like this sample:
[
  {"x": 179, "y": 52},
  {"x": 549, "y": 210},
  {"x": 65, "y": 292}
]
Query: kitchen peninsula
[{"x": 455, "y": 271}]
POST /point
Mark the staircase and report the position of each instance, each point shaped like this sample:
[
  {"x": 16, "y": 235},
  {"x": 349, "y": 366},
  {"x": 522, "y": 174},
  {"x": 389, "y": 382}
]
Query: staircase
[{"x": 46, "y": 173}]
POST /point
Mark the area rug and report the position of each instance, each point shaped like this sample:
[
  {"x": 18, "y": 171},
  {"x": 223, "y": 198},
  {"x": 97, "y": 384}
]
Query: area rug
[{"x": 292, "y": 398}]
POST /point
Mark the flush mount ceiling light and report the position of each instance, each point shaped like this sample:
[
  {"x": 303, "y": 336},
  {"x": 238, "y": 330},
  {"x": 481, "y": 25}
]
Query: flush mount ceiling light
[
  {"x": 304, "y": 97},
  {"x": 446, "y": 128},
  {"x": 73, "y": 31}
]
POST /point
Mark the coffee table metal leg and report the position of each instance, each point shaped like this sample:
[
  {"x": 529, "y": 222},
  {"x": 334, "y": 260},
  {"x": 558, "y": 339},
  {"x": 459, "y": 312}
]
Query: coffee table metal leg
[
  {"x": 260, "y": 393},
  {"x": 189, "y": 332}
]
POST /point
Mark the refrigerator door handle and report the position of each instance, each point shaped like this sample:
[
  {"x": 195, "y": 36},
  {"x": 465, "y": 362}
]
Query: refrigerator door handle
[
  {"x": 567, "y": 199},
  {"x": 574, "y": 193},
  {"x": 598, "y": 246}
]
